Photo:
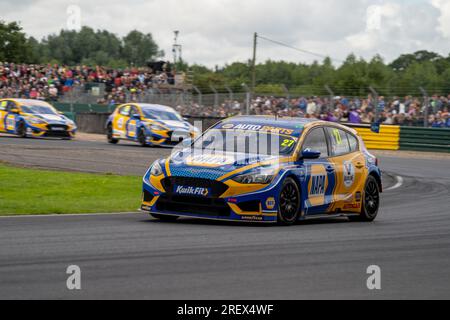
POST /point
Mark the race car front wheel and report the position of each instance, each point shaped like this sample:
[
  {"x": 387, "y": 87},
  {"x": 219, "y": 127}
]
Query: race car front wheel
[
  {"x": 110, "y": 135},
  {"x": 164, "y": 217},
  {"x": 21, "y": 130},
  {"x": 371, "y": 201},
  {"x": 289, "y": 206},
  {"x": 142, "y": 138}
]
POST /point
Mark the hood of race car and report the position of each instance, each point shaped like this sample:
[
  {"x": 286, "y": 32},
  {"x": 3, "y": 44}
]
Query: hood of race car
[
  {"x": 51, "y": 118},
  {"x": 174, "y": 125},
  {"x": 188, "y": 163}
]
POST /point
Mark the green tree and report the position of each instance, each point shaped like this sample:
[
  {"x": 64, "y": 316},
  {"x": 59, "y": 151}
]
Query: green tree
[
  {"x": 138, "y": 48},
  {"x": 14, "y": 46}
]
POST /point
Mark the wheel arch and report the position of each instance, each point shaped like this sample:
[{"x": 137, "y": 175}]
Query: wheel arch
[{"x": 377, "y": 177}]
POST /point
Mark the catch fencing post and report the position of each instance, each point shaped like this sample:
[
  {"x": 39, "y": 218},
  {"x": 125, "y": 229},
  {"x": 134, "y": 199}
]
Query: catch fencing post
[
  {"x": 216, "y": 96},
  {"x": 426, "y": 102},
  {"x": 331, "y": 94},
  {"x": 230, "y": 93},
  {"x": 377, "y": 105},
  {"x": 248, "y": 98},
  {"x": 200, "y": 95}
]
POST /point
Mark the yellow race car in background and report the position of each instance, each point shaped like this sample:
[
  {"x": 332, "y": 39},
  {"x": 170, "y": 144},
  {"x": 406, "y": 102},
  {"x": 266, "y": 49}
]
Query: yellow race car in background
[
  {"x": 34, "y": 118},
  {"x": 149, "y": 125}
]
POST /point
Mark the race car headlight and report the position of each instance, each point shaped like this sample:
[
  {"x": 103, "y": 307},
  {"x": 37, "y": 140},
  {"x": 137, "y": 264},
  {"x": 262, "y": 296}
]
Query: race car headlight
[
  {"x": 156, "y": 127},
  {"x": 156, "y": 170},
  {"x": 36, "y": 121},
  {"x": 264, "y": 177}
]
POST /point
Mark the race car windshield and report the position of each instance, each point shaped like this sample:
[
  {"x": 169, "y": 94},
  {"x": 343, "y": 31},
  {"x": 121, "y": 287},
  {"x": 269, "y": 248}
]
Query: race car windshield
[
  {"x": 38, "y": 110},
  {"x": 249, "y": 142},
  {"x": 161, "y": 115}
]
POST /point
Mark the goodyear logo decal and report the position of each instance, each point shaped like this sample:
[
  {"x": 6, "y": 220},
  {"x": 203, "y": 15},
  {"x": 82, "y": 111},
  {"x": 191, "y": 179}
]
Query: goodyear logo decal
[{"x": 191, "y": 191}]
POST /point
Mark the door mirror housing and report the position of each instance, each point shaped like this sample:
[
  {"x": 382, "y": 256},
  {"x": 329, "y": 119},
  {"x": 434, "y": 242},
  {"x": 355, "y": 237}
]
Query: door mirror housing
[
  {"x": 15, "y": 110},
  {"x": 136, "y": 116},
  {"x": 309, "y": 154},
  {"x": 187, "y": 143}
]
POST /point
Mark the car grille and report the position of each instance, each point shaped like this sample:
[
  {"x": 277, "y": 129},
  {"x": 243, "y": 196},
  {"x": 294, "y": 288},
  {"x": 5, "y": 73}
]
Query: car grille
[
  {"x": 193, "y": 205},
  {"x": 57, "y": 127},
  {"x": 217, "y": 188}
]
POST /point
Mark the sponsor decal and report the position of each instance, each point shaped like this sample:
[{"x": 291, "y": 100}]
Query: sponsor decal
[
  {"x": 208, "y": 160},
  {"x": 10, "y": 122},
  {"x": 252, "y": 218},
  {"x": 120, "y": 124},
  {"x": 349, "y": 174},
  {"x": 352, "y": 206},
  {"x": 317, "y": 185},
  {"x": 253, "y": 127},
  {"x": 271, "y": 203},
  {"x": 192, "y": 191},
  {"x": 228, "y": 126}
]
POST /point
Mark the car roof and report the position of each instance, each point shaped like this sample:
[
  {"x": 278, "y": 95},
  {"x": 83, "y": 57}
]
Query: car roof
[
  {"x": 31, "y": 102},
  {"x": 285, "y": 122},
  {"x": 155, "y": 107}
]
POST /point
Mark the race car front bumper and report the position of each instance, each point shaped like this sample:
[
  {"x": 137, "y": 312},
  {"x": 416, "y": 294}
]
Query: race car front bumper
[{"x": 253, "y": 207}]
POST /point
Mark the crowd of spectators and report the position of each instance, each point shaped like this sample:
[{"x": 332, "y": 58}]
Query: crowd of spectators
[
  {"x": 51, "y": 82},
  {"x": 407, "y": 111}
]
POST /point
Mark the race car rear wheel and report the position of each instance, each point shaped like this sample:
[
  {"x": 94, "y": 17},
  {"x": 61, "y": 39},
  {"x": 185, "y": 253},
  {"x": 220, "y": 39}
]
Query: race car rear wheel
[
  {"x": 110, "y": 135},
  {"x": 164, "y": 217},
  {"x": 289, "y": 206},
  {"x": 371, "y": 201},
  {"x": 22, "y": 130},
  {"x": 142, "y": 138}
]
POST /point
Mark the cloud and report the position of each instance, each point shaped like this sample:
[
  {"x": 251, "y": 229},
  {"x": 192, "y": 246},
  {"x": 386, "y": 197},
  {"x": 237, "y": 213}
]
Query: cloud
[{"x": 220, "y": 31}]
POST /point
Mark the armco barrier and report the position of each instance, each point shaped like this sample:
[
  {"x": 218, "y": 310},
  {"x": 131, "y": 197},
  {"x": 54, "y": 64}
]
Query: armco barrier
[
  {"x": 424, "y": 139},
  {"x": 91, "y": 122},
  {"x": 387, "y": 139}
]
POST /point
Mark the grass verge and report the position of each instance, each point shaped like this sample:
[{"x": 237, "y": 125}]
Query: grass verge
[{"x": 32, "y": 191}]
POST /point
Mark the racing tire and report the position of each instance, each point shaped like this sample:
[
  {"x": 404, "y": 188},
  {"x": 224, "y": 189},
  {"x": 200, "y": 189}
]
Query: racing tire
[
  {"x": 289, "y": 204},
  {"x": 165, "y": 218},
  {"x": 371, "y": 202},
  {"x": 110, "y": 135},
  {"x": 142, "y": 138},
  {"x": 21, "y": 130}
]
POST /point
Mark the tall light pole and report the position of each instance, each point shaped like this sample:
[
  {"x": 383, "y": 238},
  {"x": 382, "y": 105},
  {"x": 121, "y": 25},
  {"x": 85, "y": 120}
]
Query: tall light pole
[
  {"x": 255, "y": 44},
  {"x": 176, "y": 49}
]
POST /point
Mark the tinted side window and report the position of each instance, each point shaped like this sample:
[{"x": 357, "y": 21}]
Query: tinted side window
[
  {"x": 339, "y": 142},
  {"x": 125, "y": 111},
  {"x": 316, "y": 140},
  {"x": 354, "y": 144},
  {"x": 134, "y": 111}
]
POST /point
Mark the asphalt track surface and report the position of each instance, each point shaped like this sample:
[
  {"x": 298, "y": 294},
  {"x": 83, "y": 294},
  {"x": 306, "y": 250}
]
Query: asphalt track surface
[{"x": 131, "y": 256}]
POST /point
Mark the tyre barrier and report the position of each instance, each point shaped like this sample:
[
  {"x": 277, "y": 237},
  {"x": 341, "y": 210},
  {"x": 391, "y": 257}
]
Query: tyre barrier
[
  {"x": 425, "y": 139},
  {"x": 387, "y": 139}
]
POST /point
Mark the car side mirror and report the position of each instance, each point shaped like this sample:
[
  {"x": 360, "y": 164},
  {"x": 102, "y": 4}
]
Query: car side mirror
[
  {"x": 309, "y": 154},
  {"x": 186, "y": 119},
  {"x": 15, "y": 110},
  {"x": 187, "y": 143},
  {"x": 136, "y": 116}
]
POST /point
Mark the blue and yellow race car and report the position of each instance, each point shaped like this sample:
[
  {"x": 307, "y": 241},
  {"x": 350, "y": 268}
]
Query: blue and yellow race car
[
  {"x": 149, "y": 125},
  {"x": 34, "y": 118},
  {"x": 266, "y": 169}
]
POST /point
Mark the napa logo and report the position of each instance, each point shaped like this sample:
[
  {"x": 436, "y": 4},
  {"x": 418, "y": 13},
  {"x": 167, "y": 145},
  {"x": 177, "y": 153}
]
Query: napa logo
[{"x": 192, "y": 191}]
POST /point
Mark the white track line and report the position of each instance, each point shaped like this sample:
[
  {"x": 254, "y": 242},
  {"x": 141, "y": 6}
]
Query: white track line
[
  {"x": 69, "y": 215},
  {"x": 399, "y": 183}
]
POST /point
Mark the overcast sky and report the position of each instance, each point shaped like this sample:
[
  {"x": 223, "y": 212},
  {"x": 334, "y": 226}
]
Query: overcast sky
[{"x": 215, "y": 32}]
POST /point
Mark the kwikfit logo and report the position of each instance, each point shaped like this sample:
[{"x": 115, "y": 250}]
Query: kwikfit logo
[{"x": 192, "y": 191}]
